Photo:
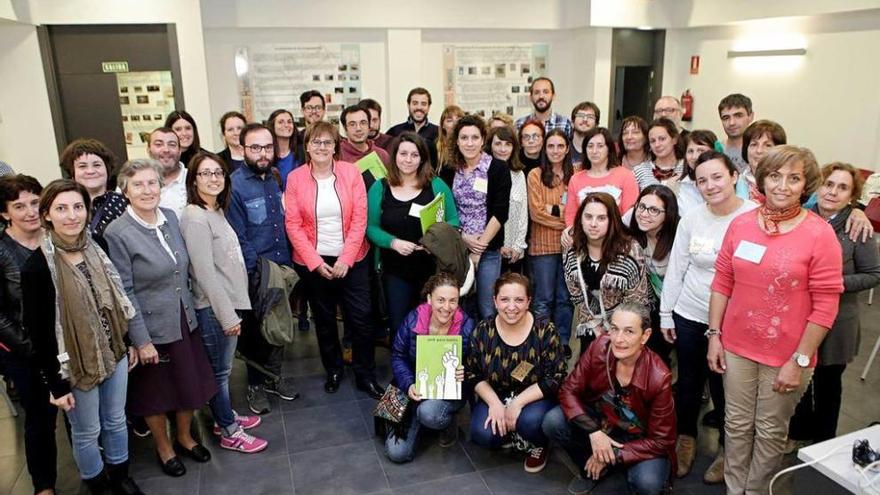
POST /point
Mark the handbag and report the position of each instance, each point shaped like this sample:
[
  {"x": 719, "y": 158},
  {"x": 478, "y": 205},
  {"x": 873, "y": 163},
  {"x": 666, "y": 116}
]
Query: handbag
[{"x": 390, "y": 412}]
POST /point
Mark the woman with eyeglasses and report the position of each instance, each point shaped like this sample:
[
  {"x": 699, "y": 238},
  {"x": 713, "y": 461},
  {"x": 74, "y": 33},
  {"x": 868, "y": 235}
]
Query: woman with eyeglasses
[
  {"x": 325, "y": 216},
  {"x": 601, "y": 173},
  {"x": 684, "y": 300},
  {"x": 231, "y": 125},
  {"x": 653, "y": 225},
  {"x": 531, "y": 140},
  {"x": 666, "y": 164},
  {"x": 146, "y": 246},
  {"x": 220, "y": 289}
]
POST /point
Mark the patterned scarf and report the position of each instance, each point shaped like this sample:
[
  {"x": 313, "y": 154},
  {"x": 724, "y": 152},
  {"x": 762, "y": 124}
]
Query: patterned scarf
[
  {"x": 774, "y": 216},
  {"x": 663, "y": 174}
]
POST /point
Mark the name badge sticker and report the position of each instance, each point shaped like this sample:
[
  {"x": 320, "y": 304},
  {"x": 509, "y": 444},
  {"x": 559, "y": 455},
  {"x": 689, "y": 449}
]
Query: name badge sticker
[
  {"x": 63, "y": 357},
  {"x": 521, "y": 371},
  {"x": 481, "y": 185},
  {"x": 415, "y": 209},
  {"x": 750, "y": 251},
  {"x": 700, "y": 245}
]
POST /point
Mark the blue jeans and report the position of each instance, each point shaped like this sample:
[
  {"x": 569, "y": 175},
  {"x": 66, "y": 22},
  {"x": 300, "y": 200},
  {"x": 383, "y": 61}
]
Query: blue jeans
[
  {"x": 433, "y": 414},
  {"x": 488, "y": 272},
  {"x": 647, "y": 477},
  {"x": 221, "y": 351},
  {"x": 691, "y": 346},
  {"x": 100, "y": 411},
  {"x": 528, "y": 425},
  {"x": 401, "y": 297},
  {"x": 552, "y": 299}
]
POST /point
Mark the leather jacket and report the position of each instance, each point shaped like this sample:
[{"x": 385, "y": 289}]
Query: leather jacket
[
  {"x": 12, "y": 333},
  {"x": 650, "y": 399}
]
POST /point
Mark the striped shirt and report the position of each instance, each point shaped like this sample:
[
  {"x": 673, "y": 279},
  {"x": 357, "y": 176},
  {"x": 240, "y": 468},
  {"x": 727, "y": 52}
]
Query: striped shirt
[{"x": 546, "y": 227}]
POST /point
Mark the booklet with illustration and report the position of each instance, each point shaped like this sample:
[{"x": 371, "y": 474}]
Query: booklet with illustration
[
  {"x": 433, "y": 212},
  {"x": 374, "y": 164},
  {"x": 437, "y": 357}
]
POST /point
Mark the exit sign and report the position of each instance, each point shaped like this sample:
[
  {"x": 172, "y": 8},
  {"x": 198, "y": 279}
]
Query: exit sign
[{"x": 114, "y": 66}]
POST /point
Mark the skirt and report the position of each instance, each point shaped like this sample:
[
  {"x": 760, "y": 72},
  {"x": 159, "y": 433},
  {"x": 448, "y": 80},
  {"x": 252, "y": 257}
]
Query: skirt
[{"x": 182, "y": 380}]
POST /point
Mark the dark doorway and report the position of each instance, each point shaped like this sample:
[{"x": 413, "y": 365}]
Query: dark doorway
[
  {"x": 637, "y": 57},
  {"x": 84, "y": 99}
]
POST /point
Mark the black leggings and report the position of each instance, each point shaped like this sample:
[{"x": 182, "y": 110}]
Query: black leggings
[{"x": 816, "y": 415}]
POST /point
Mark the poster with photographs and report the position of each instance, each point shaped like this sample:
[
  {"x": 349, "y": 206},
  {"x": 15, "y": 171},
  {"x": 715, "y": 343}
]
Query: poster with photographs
[
  {"x": 489, "y": 78},
  {"x": 145, "y": 99},
  {"x": 272, "y": 76}
]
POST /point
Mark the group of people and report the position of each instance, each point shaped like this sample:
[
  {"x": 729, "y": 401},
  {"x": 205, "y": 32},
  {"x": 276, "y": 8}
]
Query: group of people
[{"x": 129, "y": 290}]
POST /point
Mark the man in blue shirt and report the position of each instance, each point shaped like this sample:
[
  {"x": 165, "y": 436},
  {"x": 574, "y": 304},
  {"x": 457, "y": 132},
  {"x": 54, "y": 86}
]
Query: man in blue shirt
[{"x": 257, "y": 216}]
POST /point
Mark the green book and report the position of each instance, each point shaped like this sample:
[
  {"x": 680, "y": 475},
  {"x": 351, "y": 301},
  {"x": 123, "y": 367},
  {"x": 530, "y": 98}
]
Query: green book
[
  {"x": 437, "y": 357},
  {"x": 433, "y": 212},
  {"x": 374, "y": 164}
]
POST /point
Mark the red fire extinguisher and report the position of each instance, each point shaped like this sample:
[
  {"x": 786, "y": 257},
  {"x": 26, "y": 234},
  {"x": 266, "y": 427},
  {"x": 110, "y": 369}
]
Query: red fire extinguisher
[{"x": 687, "y": 105}]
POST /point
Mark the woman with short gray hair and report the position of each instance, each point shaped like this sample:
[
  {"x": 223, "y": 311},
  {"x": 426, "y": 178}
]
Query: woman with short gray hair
[{"x": 147, "y": 248}]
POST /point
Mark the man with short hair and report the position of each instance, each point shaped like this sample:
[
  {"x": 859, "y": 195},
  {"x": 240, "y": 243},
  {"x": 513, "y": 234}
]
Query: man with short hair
[
  {"x": 670, "y": 108},
  {"x": 418, "y": 101},
  {"x": 357, "y": 144},
  {"x": 164, "y": 147},
  {"x": 542, "y": 94},
  {"x": 313, "y": 107},
  {"x": 381, "y": 139},
  {"x": 736, "y": 114},
  {"x": 257, "y": 217},
  {"x": 584, "y": 116}
]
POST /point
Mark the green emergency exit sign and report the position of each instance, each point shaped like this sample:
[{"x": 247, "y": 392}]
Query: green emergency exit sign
[{"x": 114, "y": 66}]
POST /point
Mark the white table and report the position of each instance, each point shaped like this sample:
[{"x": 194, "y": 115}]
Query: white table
[{"x": 839, "y": 467}]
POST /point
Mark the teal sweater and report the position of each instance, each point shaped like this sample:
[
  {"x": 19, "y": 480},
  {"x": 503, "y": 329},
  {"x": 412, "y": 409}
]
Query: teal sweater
[{"x": 381, "y": 238}]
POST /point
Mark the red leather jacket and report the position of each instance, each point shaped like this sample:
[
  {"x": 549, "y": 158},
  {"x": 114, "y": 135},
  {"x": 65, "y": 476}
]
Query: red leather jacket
[{"x": 651, "y": 399}]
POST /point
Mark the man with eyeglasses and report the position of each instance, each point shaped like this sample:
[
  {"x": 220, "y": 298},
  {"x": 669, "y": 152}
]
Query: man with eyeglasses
[
  {"x": 418, "y": 102},
  {"x": 381, "y": 139},
  {"x": 164, "y": 147},
  {"x": 357, "y": 144},
  {"x": 542, "y": 94},
  {"x": 736, "y": 114},
  {"x": 257, "y": 217},
  {"x": 313, "y": 107},
  {"x": 670, "y": 108},
  {"x": 584, "y": 117}
]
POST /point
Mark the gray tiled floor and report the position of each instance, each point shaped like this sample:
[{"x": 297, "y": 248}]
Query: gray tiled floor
[{"x": 323, "y": 444}]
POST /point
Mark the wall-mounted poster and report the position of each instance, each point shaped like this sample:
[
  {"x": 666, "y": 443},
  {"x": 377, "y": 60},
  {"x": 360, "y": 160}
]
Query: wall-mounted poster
[
  {"x": 484, "y": 79},
  {"x": 272, "y": 76},
  {"x": 145, "y": 99}
]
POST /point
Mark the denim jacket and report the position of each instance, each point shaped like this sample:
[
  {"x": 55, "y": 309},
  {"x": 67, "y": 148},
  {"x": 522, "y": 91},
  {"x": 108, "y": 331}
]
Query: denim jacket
[{"x": 256, "y": 214}]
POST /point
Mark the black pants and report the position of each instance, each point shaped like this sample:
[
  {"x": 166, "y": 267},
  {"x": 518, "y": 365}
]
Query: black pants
[
  {"x": 656, "y": 342},
  {"x": 693, "y": 369},
  {"x": 353, "y": 292},
  {"x": 253, "y": 345},
  {"x": 39, "y": 424},
  {"x": 816, "y": 415}
]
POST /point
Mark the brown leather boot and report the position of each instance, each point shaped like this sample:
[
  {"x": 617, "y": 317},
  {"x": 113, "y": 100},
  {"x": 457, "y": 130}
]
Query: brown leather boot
[
  {"x": 715, "y": 473},
  {"x": 686, "y": 450}
]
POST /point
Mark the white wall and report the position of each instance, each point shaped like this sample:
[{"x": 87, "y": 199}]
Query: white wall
[
  {"x": 827, "y": 100},
  {"x": 27, "y": 138}
]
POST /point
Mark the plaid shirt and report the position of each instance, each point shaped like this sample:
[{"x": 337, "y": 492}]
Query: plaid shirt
[{"x": 555, "y": 121}]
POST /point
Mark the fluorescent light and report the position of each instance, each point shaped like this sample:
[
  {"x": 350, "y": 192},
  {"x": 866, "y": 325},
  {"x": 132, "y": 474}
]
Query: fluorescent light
[
  {"x": 645, "y": 28},
  {"x": 787, "y": 52}
]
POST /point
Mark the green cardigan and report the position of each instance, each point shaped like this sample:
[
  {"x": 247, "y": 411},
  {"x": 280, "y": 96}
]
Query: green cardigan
[{"x": 381, "y": 238}]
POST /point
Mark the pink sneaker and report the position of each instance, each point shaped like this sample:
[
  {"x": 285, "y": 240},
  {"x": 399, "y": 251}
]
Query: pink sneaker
[
  {"x": 241, "y": 441},
  {"x": 246, "y": 422}
]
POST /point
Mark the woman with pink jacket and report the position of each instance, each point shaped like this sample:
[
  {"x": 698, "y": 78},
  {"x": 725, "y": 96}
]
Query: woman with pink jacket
[{"x": 325, "y": 215}]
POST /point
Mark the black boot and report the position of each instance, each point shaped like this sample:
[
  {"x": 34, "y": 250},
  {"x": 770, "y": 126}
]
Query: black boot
[
  {"x": 99, "y": 485},
  {"x": 120, "y": 482}
]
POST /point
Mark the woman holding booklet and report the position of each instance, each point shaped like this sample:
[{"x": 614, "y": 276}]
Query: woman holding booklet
[{"x": 394, "y": 223}]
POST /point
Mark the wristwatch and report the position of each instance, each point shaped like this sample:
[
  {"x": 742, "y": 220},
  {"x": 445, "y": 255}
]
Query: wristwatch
[
  {"x": 802, "y": 360},
  {"x": 712, "y": 331}
]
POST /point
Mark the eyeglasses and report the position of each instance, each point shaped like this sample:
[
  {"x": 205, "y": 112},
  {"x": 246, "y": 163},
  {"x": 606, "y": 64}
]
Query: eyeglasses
[
  {"x": 665, "y": 111},
  {"x": 256, "y": 148},
  {"x": 322, "y": 143},
  {"x": 313, "y": 108},
  {"x": 531, "y": 137},
  {"x": 651, "y": 210},
  {"x": 207, "y": 174},
  {"x": 584, "y": 116}
]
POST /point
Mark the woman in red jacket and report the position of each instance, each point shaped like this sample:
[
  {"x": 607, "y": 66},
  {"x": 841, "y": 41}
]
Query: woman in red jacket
[
  {"x": 325, "y": 206},
  {"x": 616, "y": 408}
]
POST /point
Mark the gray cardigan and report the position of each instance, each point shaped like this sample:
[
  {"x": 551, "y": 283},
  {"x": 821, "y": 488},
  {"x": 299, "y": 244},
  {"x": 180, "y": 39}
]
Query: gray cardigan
[
  {"x": 156, "y": 285},
  {"x": 861, "y": 271}
]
